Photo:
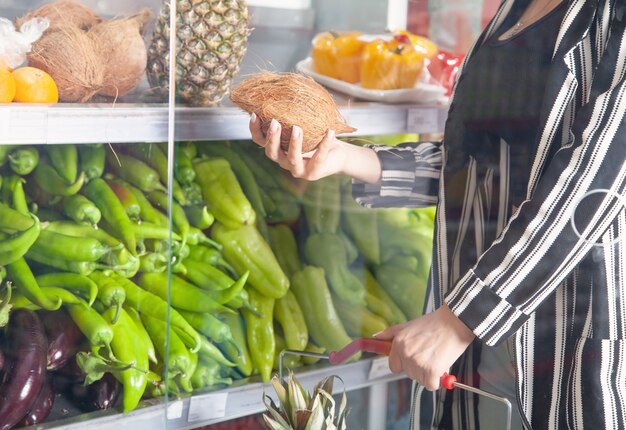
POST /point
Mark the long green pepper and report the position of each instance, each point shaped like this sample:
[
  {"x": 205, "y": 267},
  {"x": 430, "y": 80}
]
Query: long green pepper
[
  {"x": 289, "y": 315},
  {"x": 239, "y": 354},
  {"x": 13, "y": 248},
  {"x": 245, "y": 249},
  {"x": 92, "y": 160},
  {"x": 73, "y": 282},
  {"x": 64, "y": 159},
  {"x": 152, "y": 305},
  {"x": 113, "y": 212},
  {"x": 49, "y": 180},
  {"x": 19, "y": 272},
  {"x": 80, "y": 209},
  {"x": 260, "y": 334},
  {"x": 223, "y": 194},
  {"x": 110, "y": 293}
]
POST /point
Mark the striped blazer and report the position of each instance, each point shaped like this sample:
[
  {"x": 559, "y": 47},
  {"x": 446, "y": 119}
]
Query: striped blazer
[{"x": 558, "y": 287}]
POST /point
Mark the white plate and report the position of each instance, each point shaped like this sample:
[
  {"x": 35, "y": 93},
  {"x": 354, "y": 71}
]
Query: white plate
[{"x": 421, "y": 94}]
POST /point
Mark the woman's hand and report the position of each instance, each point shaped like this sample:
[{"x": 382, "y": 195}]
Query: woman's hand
[
  {"x": 332, "y": 156},
  {"x": 425, "y": 348}
]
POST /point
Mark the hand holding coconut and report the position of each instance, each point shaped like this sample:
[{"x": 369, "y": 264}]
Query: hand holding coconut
[
  {"x": 331, "y": 156},
  {"x": 296, "y": 119}
]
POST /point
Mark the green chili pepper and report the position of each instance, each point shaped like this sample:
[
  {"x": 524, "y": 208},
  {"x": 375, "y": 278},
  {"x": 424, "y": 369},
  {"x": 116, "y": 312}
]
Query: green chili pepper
[
  {"x": 67, "y": 247},
  {"x": 197, "y": 237},
  {"x": 127, "y": 199},
  {"x": 263, "y": 172},
  {"x": 184, "y": 380},
  {"x": 285, "y": 248},
  {"x": 357, "y": 320},
  {"x": 183, "y": 169},
  {"x": 13, "y": 221},
  {"x": 146, "y": 210},
  {"x": 188, "y": 148},
  {"x": 352, "y": 252},
  {"x": 80, "y": 209},
  {"x": 95, "y": 328},
  {"x": 4, "y": 153},
  {"x": 286, "y": 208},
  {"x": 225, "y": 296},
  {"x": 80, "y": 267},
  {"x": 153, "y": 262},
  {"x": 193, "y": 194},
  {"x": 245, "y": 249},
  {"x": 362, "y": 226},
  {"x": 239, "y": 354},
  {"x": 147, "y": 230},
  {"x": 143, "y": 336},
  {"x": 315, "y": 300},
  {"x": 211, "y": 256},
  {"x": 210, "y": 326},
  {"x": 64, "y": 159},
  {"x": 23, "y": 160},
  {"x": 206, "y": 276},
  {"x": 322, "y": 204},
  {"x": 183, "y": 295},
  {"x": 13, "y": 248},
  {"x": 241, "y": 170},
  {"x": 289, "y": 361},
  {"x": 207, "y": 349},
  {"x": 328, "y": 251},
  {"x": 134, "y": 171},
  {"x": 92, "y": 158},
  {"x": 110, "y": 292},
  {"x": 69, "y": 228},
  {"x": 260, "y": 334},
  {"x": 242, "y": 301},
  {"x": 208, "y": 374},
  {"x": 199, "y": 216},
  {"x": 13, "y": 188},
  {"x": 127, "y": 349},
  {"x": 52, "y": 183},
  {"x": 289, "y": 315},
  {"x": 156, "y": 158},
  {"x": 179, "y": 219},
  {"x": 113, "y": 212},
  {"x": 177, "y": 355},
  {"x": 152, "y": 305},
  {"x": 19, "y": 272},
  {"x": 73, "y": 282},
  {"x": 223, "y": 194},
  {"x": 375, "y": 292},
  {"x": 315, "y": 349},
  {"x": 407, "y": 289},
  {"x": 19, "y": 300}
]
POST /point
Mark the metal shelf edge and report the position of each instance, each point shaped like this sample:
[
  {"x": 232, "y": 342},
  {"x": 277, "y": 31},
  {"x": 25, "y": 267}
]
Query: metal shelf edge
[{"x": 105, "y": 123}]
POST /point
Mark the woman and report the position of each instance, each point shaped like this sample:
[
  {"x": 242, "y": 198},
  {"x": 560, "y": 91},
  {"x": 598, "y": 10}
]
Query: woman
[{"x": 527, "y": 288}]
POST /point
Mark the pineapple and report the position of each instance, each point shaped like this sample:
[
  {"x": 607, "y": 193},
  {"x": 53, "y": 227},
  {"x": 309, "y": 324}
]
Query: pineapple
[
  {"x": 301, "y": 411},
  {"x": 211, "y": 42}
]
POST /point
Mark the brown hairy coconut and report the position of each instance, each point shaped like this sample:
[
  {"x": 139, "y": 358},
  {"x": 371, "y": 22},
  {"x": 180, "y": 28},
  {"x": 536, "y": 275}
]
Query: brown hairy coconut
[
  {"x": 291, "y": 99},
  {"x": 123, "y": 52},
  {"x": 63, "y": 13},
  {"x": 72, "y": 59}
]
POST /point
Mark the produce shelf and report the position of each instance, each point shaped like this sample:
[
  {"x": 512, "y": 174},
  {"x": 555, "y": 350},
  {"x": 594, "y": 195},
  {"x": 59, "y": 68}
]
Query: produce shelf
[
  {"x": 242, "y": 399},
  {"x": 107, "y": 123}
]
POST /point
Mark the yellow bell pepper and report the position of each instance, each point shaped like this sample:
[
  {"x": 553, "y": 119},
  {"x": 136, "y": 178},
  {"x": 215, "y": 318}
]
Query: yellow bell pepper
[
  {"x": 421, "y": 44},
  {"x": 338, "y": 55},
  {"x": 393, "y": 64}
]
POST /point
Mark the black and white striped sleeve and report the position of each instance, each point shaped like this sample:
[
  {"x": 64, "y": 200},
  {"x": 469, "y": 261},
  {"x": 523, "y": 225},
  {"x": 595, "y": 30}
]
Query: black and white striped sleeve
[{"x": 410, "y": 176}]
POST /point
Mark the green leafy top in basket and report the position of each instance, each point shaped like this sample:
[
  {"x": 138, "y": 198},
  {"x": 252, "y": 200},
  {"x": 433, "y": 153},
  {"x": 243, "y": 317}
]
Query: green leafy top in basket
[{"x": 301, "y": 411}]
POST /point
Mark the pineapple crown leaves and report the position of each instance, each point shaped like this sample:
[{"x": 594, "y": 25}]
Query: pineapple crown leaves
[{"x": 300, "y": 411}]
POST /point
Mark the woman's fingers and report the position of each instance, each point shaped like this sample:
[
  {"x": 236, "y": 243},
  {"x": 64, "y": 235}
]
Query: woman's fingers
[
  {"x": 255, "y": 130},
  {"x": 272, "y": 141},
  {"x": 295, "y": 163}
]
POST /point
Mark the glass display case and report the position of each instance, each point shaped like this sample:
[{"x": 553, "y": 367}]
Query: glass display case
[{"x": 197, "y": 239}]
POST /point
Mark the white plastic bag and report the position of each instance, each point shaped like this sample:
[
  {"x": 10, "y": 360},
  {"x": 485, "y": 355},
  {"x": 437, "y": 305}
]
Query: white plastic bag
[{"x": 14, "y": 44}]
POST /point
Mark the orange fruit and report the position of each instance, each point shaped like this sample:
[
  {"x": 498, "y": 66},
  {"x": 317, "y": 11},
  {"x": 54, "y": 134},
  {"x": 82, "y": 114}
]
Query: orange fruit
[
  {"x": 34, "y": 86},
  {"x": 7, "y": 84}
]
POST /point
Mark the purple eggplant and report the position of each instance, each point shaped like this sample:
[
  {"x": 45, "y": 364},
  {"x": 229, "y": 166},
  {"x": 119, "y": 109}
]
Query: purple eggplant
[
  {"x": 64, "y": 337},
  {"x": 99, "y": 395},
  {"x": 40, "y": 410},
  {"x": 25, "y": 368}
]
